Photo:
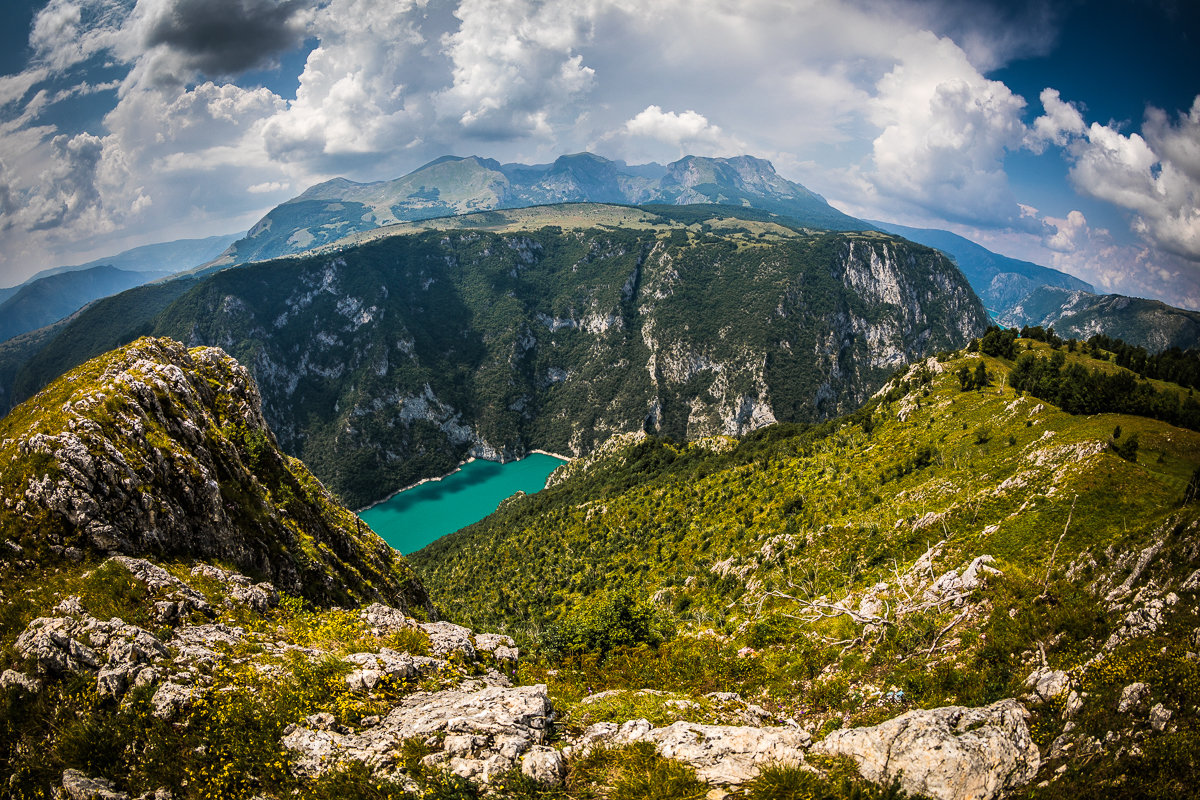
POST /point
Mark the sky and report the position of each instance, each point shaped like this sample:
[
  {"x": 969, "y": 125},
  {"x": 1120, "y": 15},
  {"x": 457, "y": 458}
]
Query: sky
[{"x": 1066, "y": 133}]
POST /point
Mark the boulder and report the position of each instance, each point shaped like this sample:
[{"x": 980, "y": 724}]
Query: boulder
[
  {"x": 13, "y": 678},
  {"x": 1046, "y": 683},
  {"x": 502, "y": 647},
  {"x": 544, "y": 764},
  {"x": 726, "y": 755},
  {"x": 77, "y": 786},
  {"x": 446, "y": 638},
  {"x": 114, "y": 650},
  {"x": 950, "y": 753},
  {"x": 1160, "y": 715},
  {"x": 485, "y": 733},
  {"x": 1131, "y": 696}
]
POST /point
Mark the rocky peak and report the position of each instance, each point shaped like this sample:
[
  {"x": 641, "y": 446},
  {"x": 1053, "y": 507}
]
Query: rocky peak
[{"x": 155, "y": 449}]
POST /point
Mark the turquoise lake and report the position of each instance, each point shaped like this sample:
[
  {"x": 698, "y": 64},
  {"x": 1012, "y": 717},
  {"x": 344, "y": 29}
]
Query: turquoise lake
[{"x": 417, "y": 516}]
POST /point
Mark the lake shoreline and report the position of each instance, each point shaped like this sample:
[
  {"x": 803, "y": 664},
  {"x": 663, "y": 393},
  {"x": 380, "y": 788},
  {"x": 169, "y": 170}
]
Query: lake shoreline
[{"x": 357, "y": 512}]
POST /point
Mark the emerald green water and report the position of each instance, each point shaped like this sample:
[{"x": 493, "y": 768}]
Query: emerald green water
[{"x": 417, "y": 516}]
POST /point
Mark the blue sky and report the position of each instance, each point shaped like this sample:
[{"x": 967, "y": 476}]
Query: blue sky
[{"x": 1067, "y": 133}]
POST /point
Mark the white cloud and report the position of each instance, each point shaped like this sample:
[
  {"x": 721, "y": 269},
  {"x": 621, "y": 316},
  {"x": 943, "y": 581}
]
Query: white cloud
[
  {"x": 1069, "y": 234},
  {"x": 69, "y": 32},
  {"x": 946, "y": 130},
  {"x": 1161, "y": 189},
  {"x": 515, "y": 66},
  {"x": 690, "y": 133},
  {"x": 269, "y": 187}
]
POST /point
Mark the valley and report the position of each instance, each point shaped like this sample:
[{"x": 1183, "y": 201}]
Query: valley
[{"x": 820, "y": 522}]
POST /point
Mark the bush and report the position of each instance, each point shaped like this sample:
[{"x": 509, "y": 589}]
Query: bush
[{"x": 603, "y": 622}]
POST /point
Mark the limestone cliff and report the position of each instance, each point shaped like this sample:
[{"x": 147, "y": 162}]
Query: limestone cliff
[
  {"x": 556, "y": 328},
  {"x": 157, "y": 450}
]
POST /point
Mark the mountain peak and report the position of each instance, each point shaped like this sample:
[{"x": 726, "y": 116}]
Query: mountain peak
[{"x": 154, "y": 449}]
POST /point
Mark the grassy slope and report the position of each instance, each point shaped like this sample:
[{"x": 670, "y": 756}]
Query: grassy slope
[
  {"x": 829, "y": 487},
  {"x": 730, "y": 547}
]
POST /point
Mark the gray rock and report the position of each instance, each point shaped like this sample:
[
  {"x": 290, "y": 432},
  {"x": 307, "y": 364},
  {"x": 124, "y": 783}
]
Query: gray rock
[
  {"x": 259, "y": 596},
  {"x": 113, "y": 649},
  {"x": 1131, "y": 696},
  {"x": 385, "y": 619},
  {"x": 1048, "y": 683},
  {"x": 721, "y": 754},
  {"x": 446, "y": 638},
  {"x": 947, "y": 753},
  {"x": 77, "y": 786},
  {"x": 502, "y": 648},
  {"x": 170, "y": 699},
  {"x": 544, "y": 765},
  {"x": 13, "y": 678},
  {"x": 486, "y": 732},
  {"x": 1160, "y": 715}
]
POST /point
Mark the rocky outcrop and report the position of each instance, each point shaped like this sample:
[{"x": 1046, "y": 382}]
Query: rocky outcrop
[
  {"x": 114, "y": 651},
  {"x": 157, "y": 450},
  {"x": 480, "y": 734},
  {"x": 721, "y": 754},
  {"x": 950, "y": 753}
]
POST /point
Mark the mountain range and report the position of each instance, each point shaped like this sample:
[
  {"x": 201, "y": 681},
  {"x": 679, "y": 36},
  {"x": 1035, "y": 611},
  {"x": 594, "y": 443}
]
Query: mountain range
[
  {"x": 958, "y": 590},
  {"x": 54, "y": 294},
  {"x": 451, "y": 185}
]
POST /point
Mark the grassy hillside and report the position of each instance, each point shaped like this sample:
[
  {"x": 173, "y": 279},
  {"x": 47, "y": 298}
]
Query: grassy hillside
[{"x": 811, "y": 567}]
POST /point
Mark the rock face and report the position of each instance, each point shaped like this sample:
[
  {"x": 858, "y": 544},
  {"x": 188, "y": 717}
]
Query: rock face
[
  {"x": 563, "y": 340},
  {"x": 721, "y": 754},
  {"x": 155, "y": 449},
  {"x": 950, "y": 753},
  {"x": 484, "y": 732}
]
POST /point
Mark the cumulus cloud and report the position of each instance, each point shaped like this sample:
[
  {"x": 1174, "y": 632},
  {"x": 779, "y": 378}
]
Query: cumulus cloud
[
  {"x": 214, "y": 37},
  {"x": 946, "y": 130},
  {"x": 1156, "y": 177},
  {"x": 689, "y": 132},
  {"x": 515, "y": 66}
]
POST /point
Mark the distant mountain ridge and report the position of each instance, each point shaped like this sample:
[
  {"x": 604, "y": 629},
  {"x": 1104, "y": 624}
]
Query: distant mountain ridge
[
  {"x": 1080, "y": 315},
  {"x": 1000, "y": 281},
  {"x": 453, "y": 185},
  {"x": 56, "y": 293}
]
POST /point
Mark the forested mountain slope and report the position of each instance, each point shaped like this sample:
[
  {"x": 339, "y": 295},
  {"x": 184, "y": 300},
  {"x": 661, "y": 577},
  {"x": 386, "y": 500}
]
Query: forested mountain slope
[
  {"x": 555, "y": 328},
  {"x": 947, "y": 542}
]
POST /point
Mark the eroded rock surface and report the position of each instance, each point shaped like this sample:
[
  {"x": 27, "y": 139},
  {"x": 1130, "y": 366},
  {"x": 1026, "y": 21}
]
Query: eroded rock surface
[
  {"x": 485, "y": 732},
  {"x": 950, "y": 753}
]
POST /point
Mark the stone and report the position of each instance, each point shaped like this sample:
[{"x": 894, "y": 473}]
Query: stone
[
  {"x": 113, "y": 650},
  {"x": 485, "y": 733},
  {"x": 544, "y": 764},
  {"x": 1131, "y": 696},
  {"x": 170, "y": 699},
  {"x": 1048, "y": 683},
  {"x": 1160, "y": 715},
  {"x": 12, "y": 678},
  {"x": 385, "y": 619},
  {"x": 77, "y": 786},
  {"x": 446, "y": 638},
  {"x": 947, "y": 753},
  {"x": 1073, "y": 705},
  {"x": 721, "y": 754},
  {"x": 502, "y": 648}
]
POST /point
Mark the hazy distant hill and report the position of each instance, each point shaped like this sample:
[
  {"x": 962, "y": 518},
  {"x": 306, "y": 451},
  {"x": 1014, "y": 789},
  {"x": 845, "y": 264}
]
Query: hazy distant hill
[
  {"x": 1000, "y": 281},
  {"x": 1075, "y": 314},
  {"x": 56, "y": 293},
  {"x": 451, "y": 185}
]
